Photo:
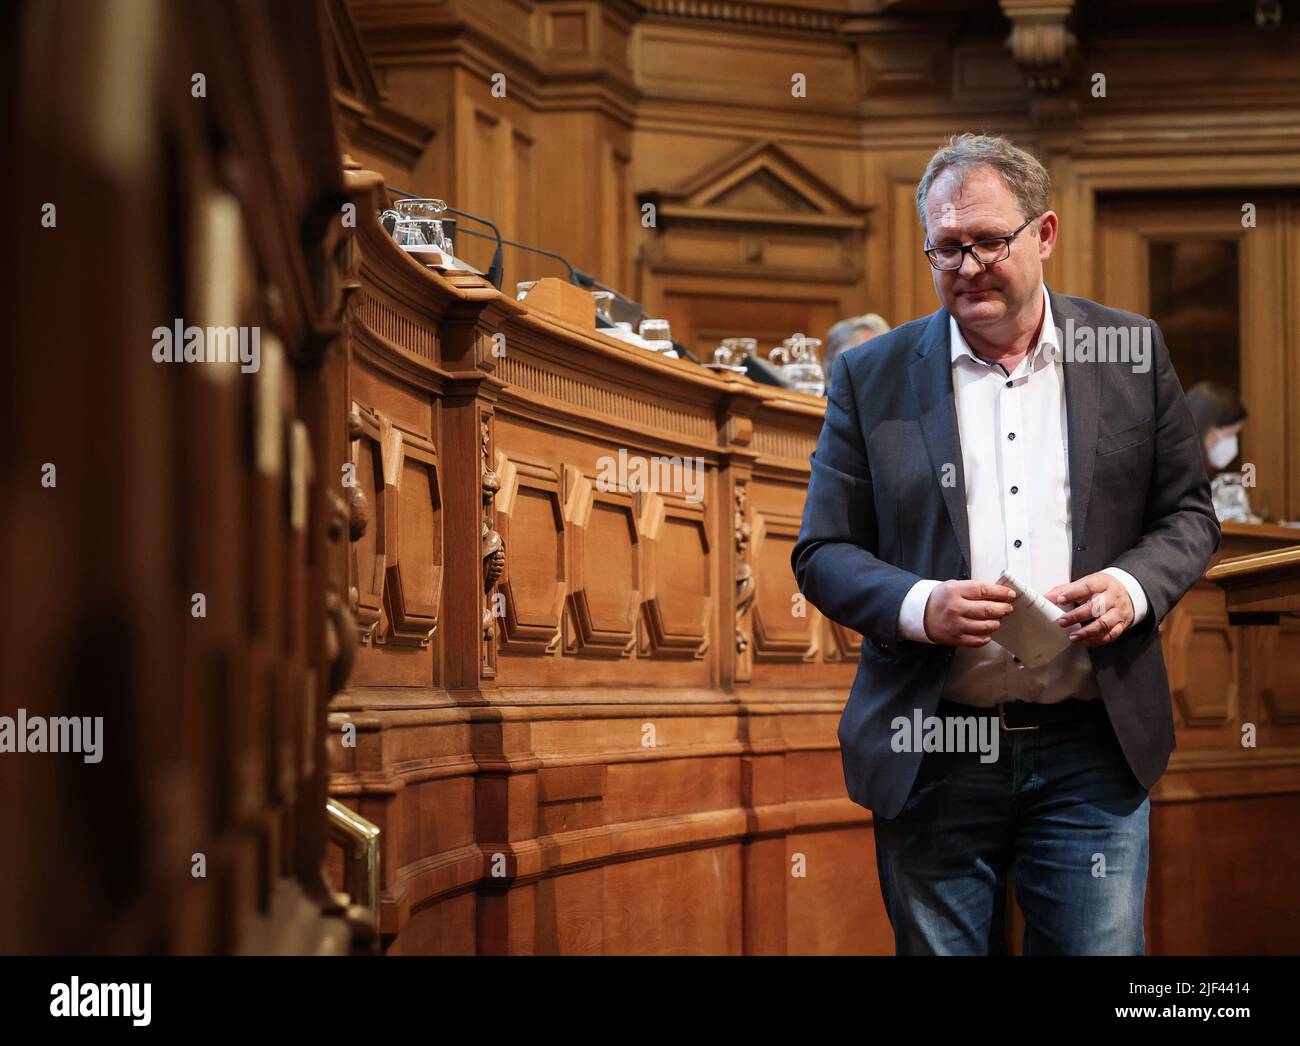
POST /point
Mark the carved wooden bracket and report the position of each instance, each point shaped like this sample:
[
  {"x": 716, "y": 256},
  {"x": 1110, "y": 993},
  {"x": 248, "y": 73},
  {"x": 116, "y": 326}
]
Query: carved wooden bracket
[
  {"x": 366, "y": 594},
  {"x": 493, "y": 546},
  {"x": 745, "y": 586},
  {"x": 1041, "y": 42}
]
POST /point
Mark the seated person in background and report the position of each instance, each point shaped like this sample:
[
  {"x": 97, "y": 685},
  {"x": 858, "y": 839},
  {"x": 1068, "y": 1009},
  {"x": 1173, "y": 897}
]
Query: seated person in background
[
  {"x": 850, "y": 332},
  {"x": 1219, "y": 416}
]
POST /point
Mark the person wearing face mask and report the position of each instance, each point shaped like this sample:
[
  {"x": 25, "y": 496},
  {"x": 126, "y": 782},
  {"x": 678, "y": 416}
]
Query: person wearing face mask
[{"x": 1219, "y": 417}]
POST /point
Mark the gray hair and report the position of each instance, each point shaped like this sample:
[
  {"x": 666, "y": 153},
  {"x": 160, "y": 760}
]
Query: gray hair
[
  {"x": 844, "y": 335},
  {"x": 1026, "y": 178}
]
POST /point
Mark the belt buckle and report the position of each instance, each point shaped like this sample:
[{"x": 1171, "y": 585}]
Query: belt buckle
[{"x": 1002, "y": 720}]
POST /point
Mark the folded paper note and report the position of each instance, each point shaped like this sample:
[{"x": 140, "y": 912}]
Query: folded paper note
[{"x": 1030, "y": 631}]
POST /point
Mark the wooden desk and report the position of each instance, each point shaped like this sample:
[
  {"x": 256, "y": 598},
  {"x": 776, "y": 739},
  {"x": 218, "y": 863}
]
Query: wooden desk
[
  {"x": 617, "y": 735},
  {"x": 1261, "y": 586},
  {"x": 1225, "y": 856}
]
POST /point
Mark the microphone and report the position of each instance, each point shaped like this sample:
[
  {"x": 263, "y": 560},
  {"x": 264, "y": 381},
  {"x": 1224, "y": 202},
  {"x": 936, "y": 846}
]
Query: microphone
[
  {"x": 624, "y": 307},
  {"x": 497, "y": 267},
  {"x": 575, "y": 276},
  {"x": 630, "y": 310}
]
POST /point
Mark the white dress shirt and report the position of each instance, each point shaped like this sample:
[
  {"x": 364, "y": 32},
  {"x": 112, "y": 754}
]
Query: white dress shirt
[{"x": 1014, "y": 449}]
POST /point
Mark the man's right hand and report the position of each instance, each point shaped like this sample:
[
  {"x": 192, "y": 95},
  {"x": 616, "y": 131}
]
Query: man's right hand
[{"x": 966, "y": 613}]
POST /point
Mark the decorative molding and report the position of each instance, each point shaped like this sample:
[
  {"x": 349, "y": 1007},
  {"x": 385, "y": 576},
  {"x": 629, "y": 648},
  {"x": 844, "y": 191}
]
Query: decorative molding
[
  {"x": 366, "y": 118},
  {"x": 493, "y": 546},
  {"x": 1182, "y": 627},
  {"x": 591, "y": 632},
  {"x": 1276, "y": 692},
  {"x": 776, "y": 636},
  {"x": 759, "y": 213},
  {"x": 384, "y": 321},
  {"x": 761, "y": 185},
  {"x": 665, "y": 633},
  {"x": 591, "y": 397},
  {"x": 782, "y": 443},
  {"x": 745, "y": 584},
  {"x": 738, "y": 12},
  {"x": 526, "y": 627},
  {"x": 365, "y": 426},
  {"x": 411, "y": 620},
  {"x": 898, "y": 57}
]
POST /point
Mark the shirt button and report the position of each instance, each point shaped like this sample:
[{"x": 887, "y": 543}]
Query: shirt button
[
  {"x": 1017, "y": 542},
  {"x": 1008, "y": 384},
  {"x": 1015, "y": 490},
  {"x": 1011, "y": 435}
]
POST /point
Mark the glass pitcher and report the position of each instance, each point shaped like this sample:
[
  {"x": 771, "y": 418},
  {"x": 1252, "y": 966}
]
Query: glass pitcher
[
  {"x": 732, "y": 353},
  {"x": 417, "y": 225},
  {"x": 1230, "y": 498},
  {"x": 797, "y": 360}
]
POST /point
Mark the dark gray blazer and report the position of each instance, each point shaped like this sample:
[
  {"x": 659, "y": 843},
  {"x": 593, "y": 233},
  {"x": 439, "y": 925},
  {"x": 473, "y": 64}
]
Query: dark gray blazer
[{"x": 877, "y": 520}]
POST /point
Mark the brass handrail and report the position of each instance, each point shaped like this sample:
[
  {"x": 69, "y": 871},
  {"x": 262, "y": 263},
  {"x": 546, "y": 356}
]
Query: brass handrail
[{"x": 360, "y": 841}]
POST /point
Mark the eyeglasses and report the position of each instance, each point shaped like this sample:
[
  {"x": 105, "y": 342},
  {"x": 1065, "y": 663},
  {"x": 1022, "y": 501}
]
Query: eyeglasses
[{"x": 986, "y": 252}]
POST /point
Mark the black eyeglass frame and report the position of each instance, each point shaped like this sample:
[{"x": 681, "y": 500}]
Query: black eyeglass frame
[{"x": 969, "y": 248}]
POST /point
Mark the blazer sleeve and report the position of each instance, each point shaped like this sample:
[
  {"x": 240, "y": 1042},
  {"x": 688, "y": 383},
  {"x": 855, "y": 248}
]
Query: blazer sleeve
[
  {"x": 1181, "y": 530},
  {"x": 835, "y": 560}
]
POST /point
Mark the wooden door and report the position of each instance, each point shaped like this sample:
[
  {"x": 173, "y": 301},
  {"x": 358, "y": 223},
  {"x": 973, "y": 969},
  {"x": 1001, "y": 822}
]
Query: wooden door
[{"x": 1219, "y": 273}]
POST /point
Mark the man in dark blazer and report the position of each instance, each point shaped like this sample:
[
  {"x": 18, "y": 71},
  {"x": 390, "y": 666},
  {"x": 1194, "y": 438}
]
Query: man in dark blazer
[{"x": 920, "y": 498}]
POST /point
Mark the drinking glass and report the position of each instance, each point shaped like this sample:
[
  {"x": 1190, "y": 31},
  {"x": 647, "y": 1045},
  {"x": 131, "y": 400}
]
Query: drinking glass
[{"x": 657, "y": 334}]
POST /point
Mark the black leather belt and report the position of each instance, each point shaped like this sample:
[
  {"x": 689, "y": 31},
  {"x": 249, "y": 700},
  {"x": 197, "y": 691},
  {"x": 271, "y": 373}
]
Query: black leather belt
[{"x": 1026, "y": 715}]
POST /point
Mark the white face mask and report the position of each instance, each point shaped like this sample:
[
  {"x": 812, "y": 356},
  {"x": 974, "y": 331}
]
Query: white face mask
[{"x": 1223, "y": 452}]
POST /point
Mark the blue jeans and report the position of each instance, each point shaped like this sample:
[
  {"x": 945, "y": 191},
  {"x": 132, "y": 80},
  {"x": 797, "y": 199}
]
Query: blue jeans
[{"x": 1059, "y": 809}]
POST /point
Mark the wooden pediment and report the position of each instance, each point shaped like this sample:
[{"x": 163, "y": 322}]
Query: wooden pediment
[{"x": 760, "y": 185}]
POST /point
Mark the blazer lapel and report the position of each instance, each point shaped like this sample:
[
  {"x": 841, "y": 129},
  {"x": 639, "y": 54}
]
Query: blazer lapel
[
  {"x": 930, "y": 373},
  {"x": 1082, "y": 396}
]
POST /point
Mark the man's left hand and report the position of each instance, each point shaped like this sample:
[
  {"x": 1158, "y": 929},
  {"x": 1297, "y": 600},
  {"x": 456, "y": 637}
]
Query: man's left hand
[{"x": 1104, "y": 606}]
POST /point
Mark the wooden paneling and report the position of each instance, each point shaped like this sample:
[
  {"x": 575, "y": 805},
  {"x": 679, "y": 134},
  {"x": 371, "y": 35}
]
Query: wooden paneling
[
  {"x": 1234, "y": 779},
  {"x": 598, "y": 775}
]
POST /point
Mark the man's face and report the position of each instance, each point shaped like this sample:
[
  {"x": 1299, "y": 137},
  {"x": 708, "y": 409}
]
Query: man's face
[{"x": 985, "y": 298}]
